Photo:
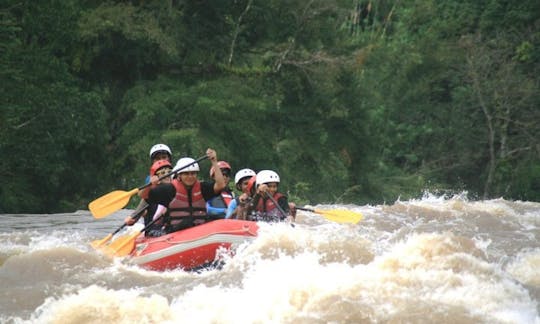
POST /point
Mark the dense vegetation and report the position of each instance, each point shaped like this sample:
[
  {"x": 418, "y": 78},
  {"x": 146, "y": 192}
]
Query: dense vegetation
[{"x": 350, "y": 101}]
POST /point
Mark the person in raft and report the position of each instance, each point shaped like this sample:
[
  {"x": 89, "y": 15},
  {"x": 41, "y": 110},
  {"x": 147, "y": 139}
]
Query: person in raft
[
  {"x": 158, "y": 152},
  {"x": 241, "y": 180},
  {"x": 263, "y": 206},
  {"x": 217, "y": 206},
  {"x": 159, "y": 169},
  {"x": 186, "y": 196}
]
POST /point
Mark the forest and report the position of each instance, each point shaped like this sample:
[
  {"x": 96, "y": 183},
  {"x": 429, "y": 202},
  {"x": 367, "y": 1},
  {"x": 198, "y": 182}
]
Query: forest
[{"x": 351, "y": 102}]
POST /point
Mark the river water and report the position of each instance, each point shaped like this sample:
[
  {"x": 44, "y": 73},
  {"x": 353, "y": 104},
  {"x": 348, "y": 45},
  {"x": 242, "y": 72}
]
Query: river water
[{"x": 431, "y": 260}]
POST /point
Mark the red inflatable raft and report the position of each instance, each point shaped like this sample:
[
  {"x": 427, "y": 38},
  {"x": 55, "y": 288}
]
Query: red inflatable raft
[{"x": 192, "y": 247}]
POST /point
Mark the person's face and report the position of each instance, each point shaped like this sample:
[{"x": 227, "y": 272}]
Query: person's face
[
  {"x": 244, "y": 185},
  {"x": 163, "y": 171},
  {"x": 272, "y": 187},
  {"x": 226, "y": 174},
  {"x": 161, "y": 156},
  {"x": 188, "y": 178}
]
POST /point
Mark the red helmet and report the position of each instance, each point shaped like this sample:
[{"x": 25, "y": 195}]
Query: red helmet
[
  {"x": 158, "y": 165},
  {"x": 221, "y": 165},
  {"x": 251, "y": 185}
]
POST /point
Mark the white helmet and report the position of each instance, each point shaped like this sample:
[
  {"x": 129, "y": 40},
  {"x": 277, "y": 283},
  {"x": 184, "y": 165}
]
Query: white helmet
[
  {"x": 186, "y": 161},
  {"x": 160, "y": 148},
  {"x": 267, "y": 176},
  {"x": 241, "y": 174}
]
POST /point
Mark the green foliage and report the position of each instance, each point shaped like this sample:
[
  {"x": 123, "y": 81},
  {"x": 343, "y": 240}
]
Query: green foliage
[
  {"x": 509, "y": 15},
  {"x": 525, "y": 183},
  {"x": 52, "y": 129},
  {"x": 350, "y": 103}
]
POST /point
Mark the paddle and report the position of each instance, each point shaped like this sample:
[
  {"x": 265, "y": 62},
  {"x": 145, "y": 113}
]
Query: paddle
[
  {"x": 117, "y": 199},
  {"x": 99, "y": 243},
  {"x": 336, "y": 215},
  {"x": 276, "y": 204},
  {"x": 123, "y": 245}
]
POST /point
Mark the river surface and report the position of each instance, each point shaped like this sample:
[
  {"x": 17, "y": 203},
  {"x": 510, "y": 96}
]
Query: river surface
[{"x": 431, "y": 260}]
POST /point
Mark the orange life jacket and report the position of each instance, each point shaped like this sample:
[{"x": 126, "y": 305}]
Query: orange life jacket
[{"x": 187, "y": 209}]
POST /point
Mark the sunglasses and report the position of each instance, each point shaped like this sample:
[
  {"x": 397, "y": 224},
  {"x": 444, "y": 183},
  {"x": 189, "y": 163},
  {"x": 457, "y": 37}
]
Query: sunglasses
[
  {"x": 226, "y": 172},
  {"x": 162, "y": 172}
]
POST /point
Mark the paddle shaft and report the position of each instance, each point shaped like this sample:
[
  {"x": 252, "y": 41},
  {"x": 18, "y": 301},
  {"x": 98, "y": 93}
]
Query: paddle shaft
[
  {"x": 306, "y": 209},
  {"x": 124, "y": 245},
  {"x": 277, "y": 205},
  {"x": 136, "y": 215},
  {"x": 98, "y": 243},
  {"x": 118, "y": 229},
  {"x": 151, "y": 223}
]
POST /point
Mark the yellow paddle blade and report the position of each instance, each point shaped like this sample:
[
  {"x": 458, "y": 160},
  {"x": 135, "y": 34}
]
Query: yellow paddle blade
[
  {"x": 99, "y": 243},
  {"x": 110, "y": 202},
  {"x": 122, "y": 246},
  {"x": 340, "y": 215}
]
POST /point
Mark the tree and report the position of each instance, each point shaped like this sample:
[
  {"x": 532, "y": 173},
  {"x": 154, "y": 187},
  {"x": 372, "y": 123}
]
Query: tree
[
  {"x": 505, "y": 97},
  {"x": 52, "y": 129}
]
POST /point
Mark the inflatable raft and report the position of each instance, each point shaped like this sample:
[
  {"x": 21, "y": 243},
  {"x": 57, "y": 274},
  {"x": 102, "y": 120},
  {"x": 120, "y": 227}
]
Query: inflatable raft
[{"x": 193, "y": 247}]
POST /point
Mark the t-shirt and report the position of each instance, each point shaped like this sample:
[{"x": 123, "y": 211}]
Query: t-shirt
[{"x": 161, "y": 194}]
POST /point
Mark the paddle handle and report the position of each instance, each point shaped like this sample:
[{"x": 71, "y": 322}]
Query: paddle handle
[{"x": 174, "y": 172}]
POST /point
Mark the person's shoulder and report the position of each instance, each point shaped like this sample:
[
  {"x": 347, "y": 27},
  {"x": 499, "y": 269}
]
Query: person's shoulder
[{"x": 163, "y": 189}]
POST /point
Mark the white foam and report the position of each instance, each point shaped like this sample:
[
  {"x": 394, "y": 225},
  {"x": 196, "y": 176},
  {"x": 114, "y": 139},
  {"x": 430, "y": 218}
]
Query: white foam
[{"x": 526, "y": 267}]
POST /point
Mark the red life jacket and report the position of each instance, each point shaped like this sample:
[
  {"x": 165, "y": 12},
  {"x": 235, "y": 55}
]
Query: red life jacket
[
  {"x": 188, "y": 208},
  {"x": 267, "y": 211},
  {"x": 227, "y": 196}
]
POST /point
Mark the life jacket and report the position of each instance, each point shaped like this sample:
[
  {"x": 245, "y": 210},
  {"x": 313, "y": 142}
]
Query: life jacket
[
  {"x": 187, "y": 209},
  {"x": 267, "y": 211},
  {"x": 218, "y": 205}
]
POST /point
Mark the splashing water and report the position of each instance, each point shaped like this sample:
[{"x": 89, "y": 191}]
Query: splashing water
[{"x": 436, "y": 259}]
